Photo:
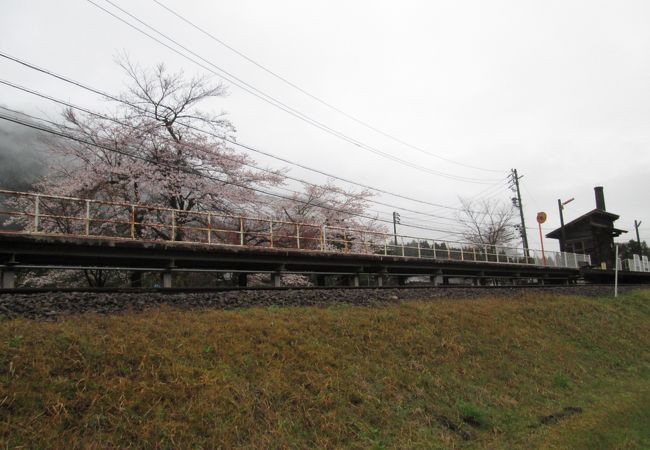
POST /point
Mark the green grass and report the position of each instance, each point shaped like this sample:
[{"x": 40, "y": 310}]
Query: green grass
[{"x": 421, "y": 375}]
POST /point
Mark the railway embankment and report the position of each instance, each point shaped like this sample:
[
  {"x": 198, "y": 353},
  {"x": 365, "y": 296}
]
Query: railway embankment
[{"x": 515, "y": 369}]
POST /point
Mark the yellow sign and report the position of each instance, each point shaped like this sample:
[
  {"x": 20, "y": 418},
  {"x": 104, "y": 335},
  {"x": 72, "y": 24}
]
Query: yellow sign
[{"x": 541, "y": 217}]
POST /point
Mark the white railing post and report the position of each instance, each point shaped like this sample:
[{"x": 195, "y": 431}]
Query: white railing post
[
  {"x": 322, "y": 238},
  {"x": 402, "y": 247},
  {"x": 87, "y": 217},
  {"x": 37, "y": 206},
  {"x": 173, "y": 236},
  {"x": 241, "y": 231},
  {"x": 419, "y": 252},
  {"x": 271, "y": 232},
  {"x": 474, "y": 252},
  {"x": 209, "y": 228},
  {"x": 462, "y": 254},
  {"x": 448, "y": 252},
  {"x": 566, "y": 260},
  {"x": 434, "y": 249},
  {"x": 132, "y": 221},
  {"x": 298, "y": 236}
]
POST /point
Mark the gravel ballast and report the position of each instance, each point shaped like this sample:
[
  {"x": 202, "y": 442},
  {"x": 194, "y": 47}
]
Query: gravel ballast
[{"x": 52, "y": 305}]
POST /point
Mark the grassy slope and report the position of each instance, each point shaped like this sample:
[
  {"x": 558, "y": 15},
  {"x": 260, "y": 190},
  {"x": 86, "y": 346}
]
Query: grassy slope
[{"x": 340, "y": 377}]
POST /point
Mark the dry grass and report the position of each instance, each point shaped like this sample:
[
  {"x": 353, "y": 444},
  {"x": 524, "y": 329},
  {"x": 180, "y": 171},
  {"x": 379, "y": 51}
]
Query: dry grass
[{"x": 416, "y": 375}]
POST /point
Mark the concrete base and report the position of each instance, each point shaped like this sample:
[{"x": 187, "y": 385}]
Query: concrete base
[
  {"x": 353, "y": 281},
  {"x": 166, "y": 279},
  {"x": 8, "y": 279}
]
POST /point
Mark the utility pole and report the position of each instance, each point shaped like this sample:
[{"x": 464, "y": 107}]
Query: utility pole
[
  {"x": 637, "y": 224},
  {"x": 514, "y": 180},
  {"x": 562, "y": 232},
  {"x": 560, "y": 205},
  {"x": 396, "y": 220}
]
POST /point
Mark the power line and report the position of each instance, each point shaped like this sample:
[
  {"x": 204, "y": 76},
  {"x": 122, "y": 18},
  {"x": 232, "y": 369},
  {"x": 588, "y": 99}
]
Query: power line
[
  {"x": 414, "y": 225},
  {"x": 233, "y": 79},
  {"x": 225, "y": 138},
  {"x": 272, "y": 194},
  {"x": 454, "y": 210},
  {"x": 102, "y": 116},
  {"x": 312, "y": 96}
]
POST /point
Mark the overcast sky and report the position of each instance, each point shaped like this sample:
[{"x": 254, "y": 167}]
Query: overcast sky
[{"x": 559, "y": 90}]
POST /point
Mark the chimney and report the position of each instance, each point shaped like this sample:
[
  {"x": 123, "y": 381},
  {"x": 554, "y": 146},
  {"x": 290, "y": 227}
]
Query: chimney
[{"x": 600, "y": 198}]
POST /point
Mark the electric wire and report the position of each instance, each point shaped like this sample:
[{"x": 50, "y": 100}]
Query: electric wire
[
  {"x": 312, "y": 96},
  {"x": 119, "y": 122},
  {"x": 258, "y": 190},
  {"x": 410, "y": 225},
  {"x": 225, "y": 138},
  {"x": 220, "y": 72}
]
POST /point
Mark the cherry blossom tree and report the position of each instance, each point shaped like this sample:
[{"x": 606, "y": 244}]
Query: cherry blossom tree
[
  {"x": 149, "y": 150},
  {"x": 340, "y": 214}
]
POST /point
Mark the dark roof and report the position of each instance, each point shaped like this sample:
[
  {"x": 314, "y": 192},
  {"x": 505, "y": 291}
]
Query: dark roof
[{"x": 556, "y": 234}]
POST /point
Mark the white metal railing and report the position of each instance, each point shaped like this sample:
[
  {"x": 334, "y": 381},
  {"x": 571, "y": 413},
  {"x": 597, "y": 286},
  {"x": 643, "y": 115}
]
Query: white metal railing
[
  {"x": 34, "y": 213},
  {"x": 638, "y": 263}
]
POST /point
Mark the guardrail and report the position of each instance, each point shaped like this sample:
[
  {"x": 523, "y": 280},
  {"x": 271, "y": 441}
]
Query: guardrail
[{"x": 42, "y": 214}]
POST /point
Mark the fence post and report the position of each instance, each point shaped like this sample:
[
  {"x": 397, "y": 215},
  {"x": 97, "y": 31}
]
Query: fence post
[
  {"x": 132, "y": 221},
  {"x": 474, "y": 252},
  {"x": 419, "y": 252},
  {"x": 448, "y": 252},
  {"x": 322, "y": 238},
  {"x": 241, "y": 231},
  {"x": 87, "y": 217},
  {"x": 462, "y": 255},
  {"x": 37, "y": 203},
  {"x": 298, "y": 236},
  {"x": 209, "y": 228},
  {"x": 402, "y": 247},
  {"x": 271, "y": 232},
  {"x": 434, "y": 249},
  {"x": 385, "y": 246}
]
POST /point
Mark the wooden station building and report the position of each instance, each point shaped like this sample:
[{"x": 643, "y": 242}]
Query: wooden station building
[{"x": 592, "y": 233}]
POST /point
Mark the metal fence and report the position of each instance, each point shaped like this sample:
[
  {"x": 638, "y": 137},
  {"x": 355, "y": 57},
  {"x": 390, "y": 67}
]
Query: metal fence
[{"x": 41, "y": 214}]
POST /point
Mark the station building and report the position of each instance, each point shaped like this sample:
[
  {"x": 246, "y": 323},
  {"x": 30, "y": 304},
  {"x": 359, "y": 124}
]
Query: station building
[{"x": 592, "y": 233}]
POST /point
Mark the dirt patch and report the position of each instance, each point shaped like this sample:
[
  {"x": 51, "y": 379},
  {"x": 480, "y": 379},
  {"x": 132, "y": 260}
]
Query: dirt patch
[
  {"x": 567, "y": 411},
  {"x": 453, "y": 426}
]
